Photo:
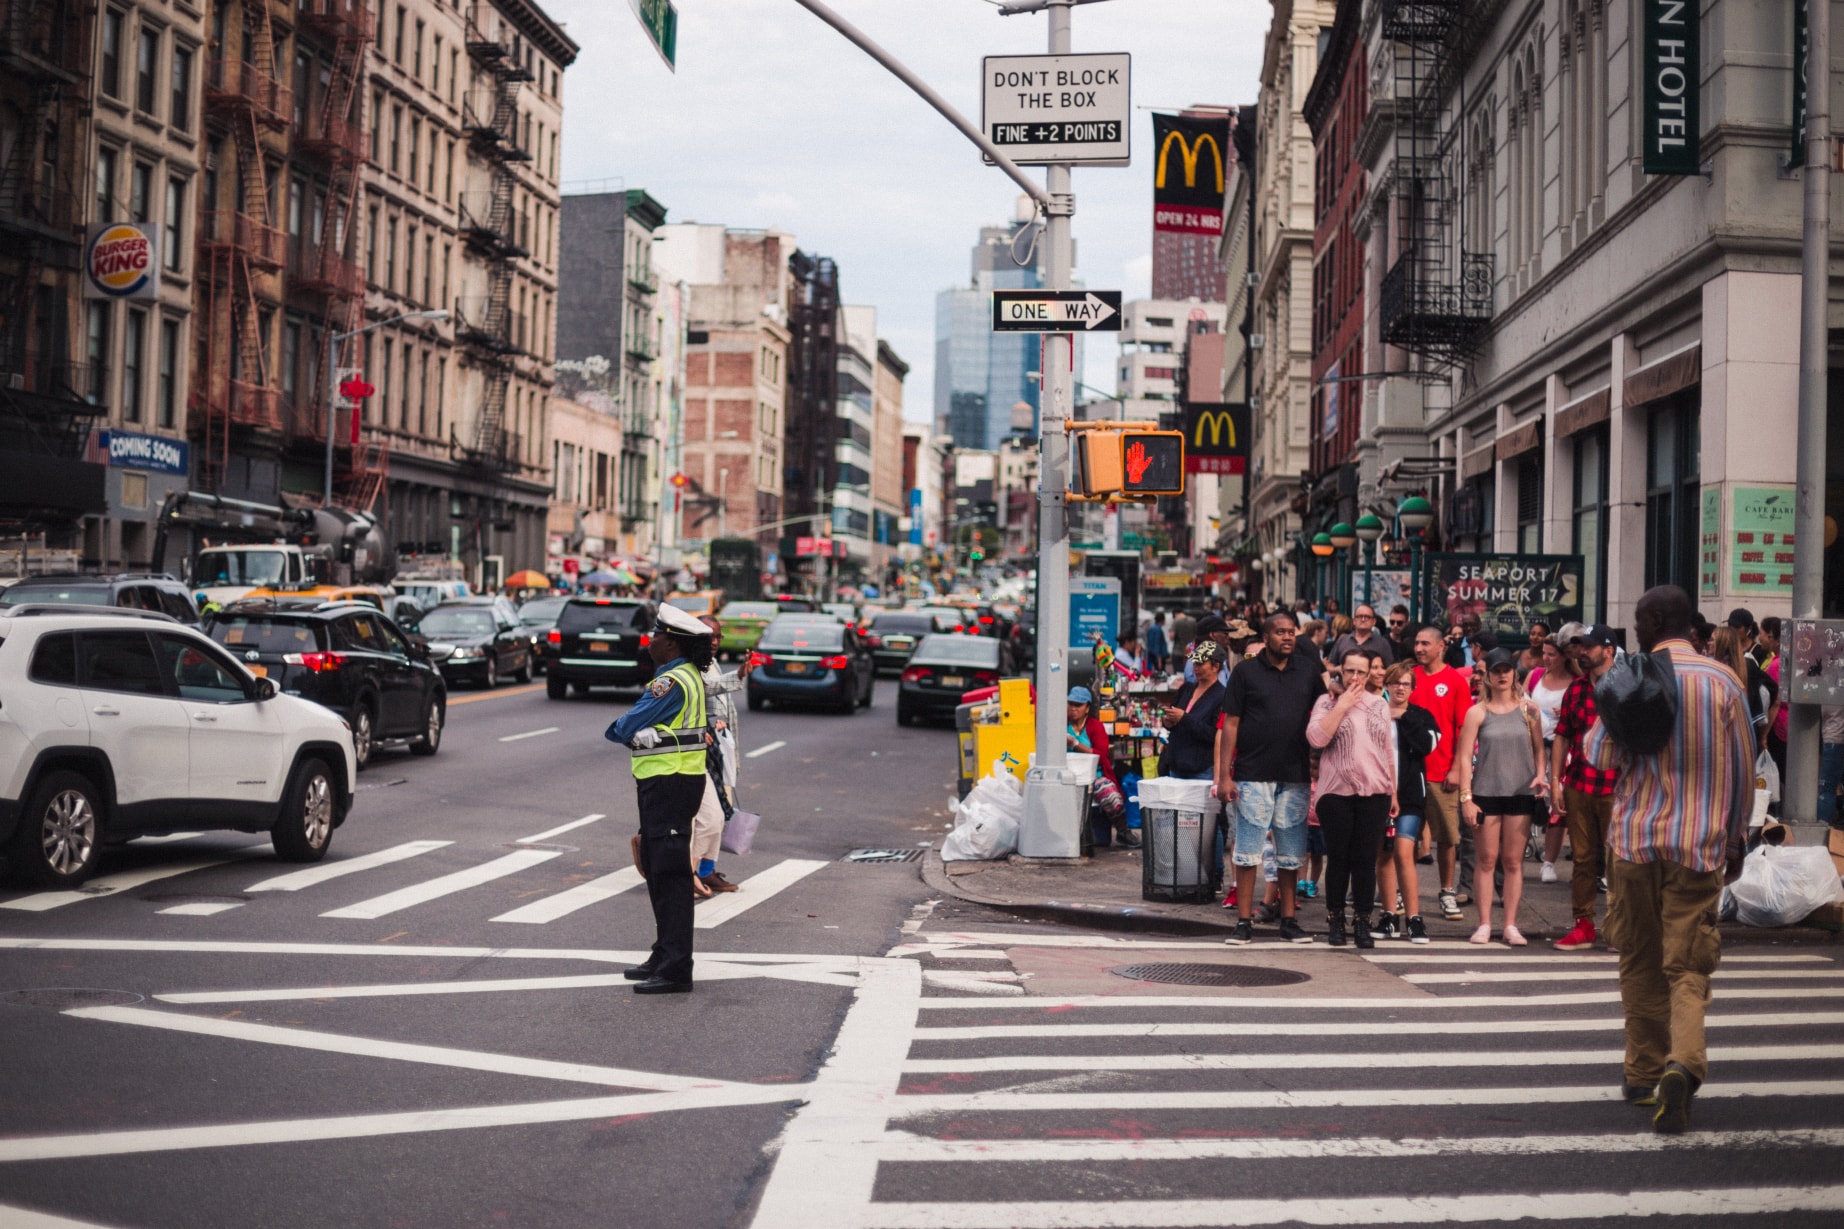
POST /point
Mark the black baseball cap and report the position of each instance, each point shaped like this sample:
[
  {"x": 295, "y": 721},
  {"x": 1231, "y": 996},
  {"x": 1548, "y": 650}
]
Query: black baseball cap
[
  {"x": 1598, "y": 633},
  {"x": 1500, "y": 659},
  {"x": 1210, "y": 623}
]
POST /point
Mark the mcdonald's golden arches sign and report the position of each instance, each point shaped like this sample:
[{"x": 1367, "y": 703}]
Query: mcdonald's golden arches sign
[
  {"x": 1191, "y": 161},
  {"x": 1216, "y": 437}
]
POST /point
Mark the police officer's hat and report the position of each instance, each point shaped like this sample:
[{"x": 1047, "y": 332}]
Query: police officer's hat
[{"x": 679, "y": 625}]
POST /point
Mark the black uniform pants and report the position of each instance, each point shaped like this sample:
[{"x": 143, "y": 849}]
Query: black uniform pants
[{"x": 667, "y": 804}]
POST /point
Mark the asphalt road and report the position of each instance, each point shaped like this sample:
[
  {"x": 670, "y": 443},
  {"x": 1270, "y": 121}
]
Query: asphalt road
[{"x": 218, "y": 915}]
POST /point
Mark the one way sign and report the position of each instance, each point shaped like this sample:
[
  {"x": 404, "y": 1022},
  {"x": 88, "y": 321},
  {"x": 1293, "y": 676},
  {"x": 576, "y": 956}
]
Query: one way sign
[{"x": 1055, "y": 311}]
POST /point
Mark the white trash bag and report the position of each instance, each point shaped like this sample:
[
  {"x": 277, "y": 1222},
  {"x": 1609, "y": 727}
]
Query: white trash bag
[
  {"x": 1781, "y": 885},
  {"x": 989, "y": 819}
]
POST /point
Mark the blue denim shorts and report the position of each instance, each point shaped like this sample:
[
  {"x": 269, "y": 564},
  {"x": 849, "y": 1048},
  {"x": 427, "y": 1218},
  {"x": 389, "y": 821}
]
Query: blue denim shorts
[
  {"x": 1408, "y": 827},
  {"x": 1262, "y": 806}
]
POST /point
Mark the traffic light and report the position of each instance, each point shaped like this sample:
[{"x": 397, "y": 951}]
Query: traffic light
[
  {"x": 1112, "y": 463},
  {"x": 976, "y": 554}
]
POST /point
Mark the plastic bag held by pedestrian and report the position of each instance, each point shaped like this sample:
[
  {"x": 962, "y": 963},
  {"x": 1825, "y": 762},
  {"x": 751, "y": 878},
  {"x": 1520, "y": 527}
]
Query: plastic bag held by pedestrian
[
  {"x": 989, "y": 819},
  {"x": 1638, "y": 702},
  {"x": 1781, "y": 885},
  {"x": 740, "y": 832}
]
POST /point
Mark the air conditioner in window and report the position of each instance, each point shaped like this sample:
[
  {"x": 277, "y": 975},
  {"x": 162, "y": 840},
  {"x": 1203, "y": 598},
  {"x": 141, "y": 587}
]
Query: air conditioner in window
[
  {"x": 1254, "y": 280},
  {"x": 1254, "y": 402},
  {"x": 1257, "y": 340}
]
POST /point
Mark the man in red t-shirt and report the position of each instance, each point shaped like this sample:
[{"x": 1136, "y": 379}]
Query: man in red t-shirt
[{"x": 1447, "y": 694}]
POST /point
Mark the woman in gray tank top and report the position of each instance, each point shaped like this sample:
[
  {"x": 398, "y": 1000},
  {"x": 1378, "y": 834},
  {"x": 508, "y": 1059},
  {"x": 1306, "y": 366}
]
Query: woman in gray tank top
[{"x": 1500, "y": 762}]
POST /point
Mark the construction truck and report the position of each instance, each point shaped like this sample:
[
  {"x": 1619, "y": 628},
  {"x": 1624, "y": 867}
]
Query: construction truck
[{"x": 239, "y": 546}]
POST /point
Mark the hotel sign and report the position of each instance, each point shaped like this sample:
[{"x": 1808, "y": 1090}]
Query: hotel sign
[{"x": 1672, "y": 77}]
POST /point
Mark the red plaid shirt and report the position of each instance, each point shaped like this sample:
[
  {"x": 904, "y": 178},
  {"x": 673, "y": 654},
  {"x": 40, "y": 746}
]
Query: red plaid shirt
[{"x": 1577, "y": 717}]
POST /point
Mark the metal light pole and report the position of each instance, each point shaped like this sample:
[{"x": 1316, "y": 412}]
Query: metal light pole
[
  {"x": 334, "y": 341},
  {"x": 1343, "y": 539},
  {"x": 1415, "y": 514},
  {"x": 1369, "y": 528}
]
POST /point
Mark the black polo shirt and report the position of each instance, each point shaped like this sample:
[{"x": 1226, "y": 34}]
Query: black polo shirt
[{"x": 1274, "y": 706}]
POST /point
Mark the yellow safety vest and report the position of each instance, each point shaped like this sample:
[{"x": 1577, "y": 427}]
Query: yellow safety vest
[{"x": 681, "y": 742}]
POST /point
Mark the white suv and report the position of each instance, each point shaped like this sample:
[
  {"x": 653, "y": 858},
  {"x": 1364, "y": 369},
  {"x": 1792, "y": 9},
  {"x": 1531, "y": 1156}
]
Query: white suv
[{"x": 116, "y": 724}]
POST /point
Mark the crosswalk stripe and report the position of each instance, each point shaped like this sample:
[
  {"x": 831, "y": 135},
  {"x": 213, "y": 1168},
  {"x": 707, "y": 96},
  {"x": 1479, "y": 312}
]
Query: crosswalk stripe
[
  {"x": 560, "y": 829},
  {"x": 900, "y": 1146},
  {"x": 1417, "y": 1210},
  {"x": 1416, "y": 1059},
  {"x": 25, "y": 1218},
  {"x": 1341, "y": 1028},
  {"x": 754, "y": 890},
  {"x": 1046, "y": 1002},
  {"x": 109, "y": 885},
  {"x": 914, "y": 1104},
  {"x": 422, "y": 893},
  {"x": 202, "y": 908},
  {"x": 1573, "y": 958},
  {"x": 1727, "y": 974},
  {"x": 294, "y": 881},
  {"x": 579, "y": 897}
]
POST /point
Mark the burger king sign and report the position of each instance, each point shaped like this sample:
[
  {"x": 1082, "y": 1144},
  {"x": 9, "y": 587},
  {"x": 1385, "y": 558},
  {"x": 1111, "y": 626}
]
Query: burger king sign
[{"x": 122, "y": 262}]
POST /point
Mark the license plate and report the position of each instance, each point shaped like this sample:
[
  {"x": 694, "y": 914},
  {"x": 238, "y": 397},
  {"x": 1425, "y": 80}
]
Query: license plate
[
  {"x": 261, "y": 672},
  {"x": 796, "y": 667},
  {"x": 952, "y": 680},
  {"x": 899, "y": 642},
  {"x": 598, "y": 646}
]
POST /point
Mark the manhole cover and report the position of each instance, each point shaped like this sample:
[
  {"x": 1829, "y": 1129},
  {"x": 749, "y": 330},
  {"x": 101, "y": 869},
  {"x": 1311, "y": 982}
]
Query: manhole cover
[
  {"x": 1209, "y": 975},
  {"x": 882, "y": 855},
  {"x": 63, "y": 998}
]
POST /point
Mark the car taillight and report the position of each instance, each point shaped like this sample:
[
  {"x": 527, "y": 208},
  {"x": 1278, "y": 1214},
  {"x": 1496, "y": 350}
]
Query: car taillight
[
  {"x": 873, "y": 642},
  {"x": 645, "y": 640},
  {"x": 985, "y": 678},
  {"x": 556, "y": 637},
  {"x": 757, "y": 660},
  {"x": 319, "y": 663},
  {"x": 986, "y": 618},
  {"x": 837, "y": 661},
  {"x": 914, "y": 674}
]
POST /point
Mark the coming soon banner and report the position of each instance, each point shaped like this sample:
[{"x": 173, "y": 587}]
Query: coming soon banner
[{"x": 1190, "y": 166}]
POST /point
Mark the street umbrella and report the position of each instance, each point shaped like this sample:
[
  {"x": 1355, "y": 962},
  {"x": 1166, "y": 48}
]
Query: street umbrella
[
  {"x": 528, "y": 579},
  {"x": 600, "y": 578},
  {"x": 625, "y": 577}
]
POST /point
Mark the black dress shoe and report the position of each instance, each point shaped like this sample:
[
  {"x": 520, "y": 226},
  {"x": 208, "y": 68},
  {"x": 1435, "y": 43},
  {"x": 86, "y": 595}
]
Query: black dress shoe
[
  {"x": 640, "y": 972},
  {"x": 662, "y": 985}
]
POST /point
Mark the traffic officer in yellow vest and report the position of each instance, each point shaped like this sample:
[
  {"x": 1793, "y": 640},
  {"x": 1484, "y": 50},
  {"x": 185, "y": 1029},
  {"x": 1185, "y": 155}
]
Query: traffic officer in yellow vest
[{"x": 666, "y": 731}]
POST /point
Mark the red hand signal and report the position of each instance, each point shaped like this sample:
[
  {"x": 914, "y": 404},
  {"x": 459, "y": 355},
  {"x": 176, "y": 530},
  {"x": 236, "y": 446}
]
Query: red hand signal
[{"x": 1137, "y": 462}]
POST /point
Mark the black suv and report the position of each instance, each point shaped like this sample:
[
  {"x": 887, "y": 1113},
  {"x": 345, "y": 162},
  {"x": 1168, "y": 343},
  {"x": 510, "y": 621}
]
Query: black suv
[
  {"x": 345, "y": 656},
  {"x": 158, "y": 592},
  {"x": 600, "y": 642}
]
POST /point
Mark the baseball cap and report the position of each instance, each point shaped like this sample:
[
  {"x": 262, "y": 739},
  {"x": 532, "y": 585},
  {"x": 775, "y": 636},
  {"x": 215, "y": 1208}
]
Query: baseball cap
[
  {"x": 1599, "y": 633},
  {"x": 1741, "y": 619},
  {"x": 1210, "y": 623},
  {"x": 1500, "y": 659},
  {"x": 1081, "y": 695},
  {"x": 1209, "y": 650},
  {"x": 1569, "y": 633}
]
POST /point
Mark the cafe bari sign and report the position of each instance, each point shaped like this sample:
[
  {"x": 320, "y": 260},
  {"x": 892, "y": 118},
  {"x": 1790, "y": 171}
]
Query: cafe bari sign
[{"x": 1671, "y": 74}]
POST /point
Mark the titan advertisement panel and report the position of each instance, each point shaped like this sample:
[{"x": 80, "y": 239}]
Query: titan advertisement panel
[
  {"x": 1216, "y": 437},
  {"x": 1670, "y": 122},
  {"x": 1508, "y": 592},
  {"x": 1190, "y": 167}
]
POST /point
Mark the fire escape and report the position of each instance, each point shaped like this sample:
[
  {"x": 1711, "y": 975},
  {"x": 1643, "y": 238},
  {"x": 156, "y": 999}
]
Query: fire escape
[
  {"x": 1437, "y": 299},
  {"x": 241, "y": 253},
  {"x": 810, "y": 465},
  {"x": 490, "y": 116},
  {"x": 335, "y": 136}
]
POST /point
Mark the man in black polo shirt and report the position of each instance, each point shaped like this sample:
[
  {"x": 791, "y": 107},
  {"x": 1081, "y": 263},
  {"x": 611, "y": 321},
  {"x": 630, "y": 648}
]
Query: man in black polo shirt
[{"x": 1262, "y": 769}]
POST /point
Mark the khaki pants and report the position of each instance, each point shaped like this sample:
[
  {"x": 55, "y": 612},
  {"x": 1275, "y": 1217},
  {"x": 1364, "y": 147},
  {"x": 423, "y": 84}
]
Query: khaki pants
[
  {"x": 1662, "y": 917},
  {"x": 707, "y": 831},
  {"x": 1586, "y": 817}
]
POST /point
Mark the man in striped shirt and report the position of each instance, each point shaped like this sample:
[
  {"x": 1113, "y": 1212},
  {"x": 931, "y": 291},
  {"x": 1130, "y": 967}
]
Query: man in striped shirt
[{"x": 1680, "y": 821}]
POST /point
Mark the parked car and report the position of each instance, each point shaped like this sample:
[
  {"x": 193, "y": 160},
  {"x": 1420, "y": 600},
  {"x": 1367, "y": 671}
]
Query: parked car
[
  {"x": 810, "y": 661},
  {"x": 894, "y": 635},
  {"x": 477, "y": 639},
  {"x": 600, "y": 642},
  {"x": 742, "y": 626},
  {"x": 345, "y": 656},
  {"x": 127, "y": 590},
  {"x": 538, "y": 617},
  {"x": 943, "y": 669},
  {"x": 123, "y": 723}
]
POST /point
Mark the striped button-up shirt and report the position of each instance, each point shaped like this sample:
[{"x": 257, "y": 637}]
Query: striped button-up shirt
[{"x": 1690, "y": 803}]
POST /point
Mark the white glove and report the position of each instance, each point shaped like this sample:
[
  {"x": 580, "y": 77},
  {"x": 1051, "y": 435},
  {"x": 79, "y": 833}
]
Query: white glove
[{"x": 644, "y": 739}]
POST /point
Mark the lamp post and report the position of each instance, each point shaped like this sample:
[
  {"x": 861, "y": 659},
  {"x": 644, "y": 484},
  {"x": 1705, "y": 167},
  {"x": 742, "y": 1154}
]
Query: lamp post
[
  {"x": 1322, "y": 549},
  {"x": 1416, "y": 514},
  {"x": 1369, "y": 528},
  {"x": 1343, "y": 539},
  {"x": 333, "y": 343}
]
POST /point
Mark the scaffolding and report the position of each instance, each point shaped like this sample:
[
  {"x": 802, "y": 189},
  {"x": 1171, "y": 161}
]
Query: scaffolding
[{"x": 1436, "y": 300}]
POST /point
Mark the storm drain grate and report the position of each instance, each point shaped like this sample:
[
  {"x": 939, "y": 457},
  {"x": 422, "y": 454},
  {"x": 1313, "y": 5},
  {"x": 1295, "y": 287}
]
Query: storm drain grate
[
  {"x": 882, "y": 855},
  {"x": 1209, "y": 975},
  {"x": 64, "y": 998}
]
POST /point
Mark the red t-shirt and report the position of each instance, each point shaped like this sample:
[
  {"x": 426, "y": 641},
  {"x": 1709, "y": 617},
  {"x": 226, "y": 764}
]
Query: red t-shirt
[{"x": 1447, "y": 694}]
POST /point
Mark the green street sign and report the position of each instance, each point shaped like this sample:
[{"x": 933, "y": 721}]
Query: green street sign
[{"x": 661, "y": 22}]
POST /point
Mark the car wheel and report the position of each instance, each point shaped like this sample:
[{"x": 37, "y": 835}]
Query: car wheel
[
  {"x": 579, "y": 689},
  {"x": 305, "y": 827},
  {"x": 870, "y": 689},
  {"x": 364, "y": 737},
  {"x": 435, "y": 715},
  {"x": 492, "y": 672},
  {"x": 903, "y": 715},
  {"x": 554, "y": 687},
  {"x": 59, "y": 835},
  {"x": 524, "y": 674}
]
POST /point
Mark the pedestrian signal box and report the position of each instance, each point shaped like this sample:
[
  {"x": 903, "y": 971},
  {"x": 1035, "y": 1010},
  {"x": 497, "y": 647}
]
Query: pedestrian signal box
[{"x": 1114, "y": 463}]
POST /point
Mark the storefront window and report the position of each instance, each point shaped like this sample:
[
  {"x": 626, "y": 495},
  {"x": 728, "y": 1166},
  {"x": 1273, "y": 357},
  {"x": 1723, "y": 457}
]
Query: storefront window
[
  {"x": 1590, "y": 503},
  {"x": 1673, "y": 465},
  {"x": 1530, "y": 503}
]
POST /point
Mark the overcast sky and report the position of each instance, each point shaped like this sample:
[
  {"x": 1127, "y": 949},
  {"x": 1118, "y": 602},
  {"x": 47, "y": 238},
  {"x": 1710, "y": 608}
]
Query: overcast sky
[{"x": 774, "y": 120}]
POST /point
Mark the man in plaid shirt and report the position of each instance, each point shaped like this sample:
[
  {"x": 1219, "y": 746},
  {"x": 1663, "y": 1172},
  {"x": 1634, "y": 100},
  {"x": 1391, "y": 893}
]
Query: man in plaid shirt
[{"x": 1581, "y": 791}]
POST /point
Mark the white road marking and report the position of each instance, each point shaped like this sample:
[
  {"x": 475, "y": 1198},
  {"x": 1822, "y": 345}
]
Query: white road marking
[
  {"x": 1267, "y": 1099},
  {"x": 1725, "y": 973},
  {"x": 201, "y": 908},
  {"x": 513, "y": 738},
  {"x": 1042, "y": 1002},
  {"x": 765, "y": 748},
  {"x": 579, "y": 897},
  {"x": 946, "y": 953},
  {"x": 597, "y": 955},
  {"x": 754, "y": 890},
  {"x": 26, "y": 1218},
  {"x": 1417, "y": 1210},
  {"x": 899, "y": 1146},
  {"x": 559, "y": 830},
  {"x": 294, "y": 881},
  {"x": 1339, "y": 1028},
  {"x": 367, "y": 1047},
  {"x": 109, "y": 885},
  {"x": 1417, "y": 1060},
  {"x": 1572, "y": 958},
  {"x": 422, "y": 893}
]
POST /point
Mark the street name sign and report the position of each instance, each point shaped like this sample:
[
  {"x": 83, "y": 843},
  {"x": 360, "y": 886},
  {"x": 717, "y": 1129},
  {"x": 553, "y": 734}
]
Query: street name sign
[
  {"x": 661, "y": 22},
  {"x": 1056, "y": 311},
  {"x": 1058, "y": 108}
]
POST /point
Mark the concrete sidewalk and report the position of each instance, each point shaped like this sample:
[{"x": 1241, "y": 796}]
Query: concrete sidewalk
[{"x": 1103, "y": 892}]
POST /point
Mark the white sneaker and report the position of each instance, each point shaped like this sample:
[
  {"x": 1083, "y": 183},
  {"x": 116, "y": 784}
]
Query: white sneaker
[{"x": 1549, "y": 872}]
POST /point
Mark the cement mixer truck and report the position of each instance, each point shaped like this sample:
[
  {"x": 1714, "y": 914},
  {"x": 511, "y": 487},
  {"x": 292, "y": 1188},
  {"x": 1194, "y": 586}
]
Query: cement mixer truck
[{"x": 239, "y": 545}]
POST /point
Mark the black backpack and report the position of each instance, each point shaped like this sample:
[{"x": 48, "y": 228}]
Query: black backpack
[{"x": 1638, "y": 702}]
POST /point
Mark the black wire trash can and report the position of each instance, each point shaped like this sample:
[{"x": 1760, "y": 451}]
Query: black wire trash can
[{"x": 1178, "y": 835}]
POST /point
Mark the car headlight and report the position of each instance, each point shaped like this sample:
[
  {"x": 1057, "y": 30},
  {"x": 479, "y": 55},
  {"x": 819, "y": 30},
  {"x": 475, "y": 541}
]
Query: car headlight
[{"x": 467, "y": 655}]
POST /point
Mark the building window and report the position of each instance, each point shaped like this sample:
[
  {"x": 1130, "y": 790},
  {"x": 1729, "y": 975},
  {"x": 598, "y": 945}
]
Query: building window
[
  {"x": 396, "y": 139},
  {"x": 390, "y": 255},
  {"x": 168, "y": 407},
  {"x": 146, "y": 65},
  {"x": 416, "y": 52},
  {"x": 371, "y": 243},
  {"x": 180, "y": 107},
  {"x": 429, "y": 269},
  {"x": 134, "y": 341},
  {"x": 96, "y": 353},
  {"x": 441, "y": 382},
  {"x": 403, "y": 19},
  {"x": 297, "y": 195},
  {"x": 377, "y": 125},
  {"x": 409, "y": 263},
  {"x": 173, "y": 234},
  {"x": 1673, "y": 467},
  {"x": 435, "y": 66},
  {"x": 140, "y": 187},
  {"x": 291, "y": 356},
  {"x": 112, "y": 23},
  {"x": 384, "y": 385},
  {"x": 416, "y": 136},
  {"x": 1530, "y": 503},
  {"x": 105, "y": 183},
  {"x": 1590, "y": 502}
]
